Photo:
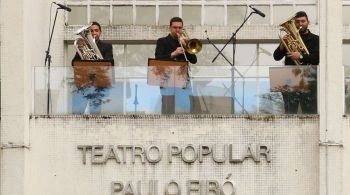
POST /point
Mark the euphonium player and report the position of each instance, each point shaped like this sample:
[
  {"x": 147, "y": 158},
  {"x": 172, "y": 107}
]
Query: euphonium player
[
  {"x": 307, "y": 100},
  {"x": 310, "y": 40},
  {"x": 106, "y": 49},
  {"x": 89, "y": 99}
]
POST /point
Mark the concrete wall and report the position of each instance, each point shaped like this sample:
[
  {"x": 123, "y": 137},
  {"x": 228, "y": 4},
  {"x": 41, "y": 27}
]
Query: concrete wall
[
  {"x": 55, "y": 165},
  {"x": 40, "y": 155}
]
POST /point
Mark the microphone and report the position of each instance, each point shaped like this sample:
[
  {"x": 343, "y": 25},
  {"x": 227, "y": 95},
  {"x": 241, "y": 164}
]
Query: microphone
[
  {"x": 63, "y": 7},
  {"x": 258, "y": 11}
]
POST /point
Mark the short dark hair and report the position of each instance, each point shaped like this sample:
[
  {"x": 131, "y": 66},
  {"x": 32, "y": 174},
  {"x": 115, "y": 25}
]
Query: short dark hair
[
  {"x": 301, "y": 14},
  {"x": 97, "y": 24},
  {"x": 176, "y": 19}
]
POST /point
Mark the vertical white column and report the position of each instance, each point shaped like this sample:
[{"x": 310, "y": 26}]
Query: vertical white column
[
  {"x": 24, "y": 40},
  {"x": 331, "y": 97},
  {"x": 14, "y": 105}
]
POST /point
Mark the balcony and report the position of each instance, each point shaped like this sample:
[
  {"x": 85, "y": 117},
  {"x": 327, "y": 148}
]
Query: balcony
[{"x": 129, "y": 90}]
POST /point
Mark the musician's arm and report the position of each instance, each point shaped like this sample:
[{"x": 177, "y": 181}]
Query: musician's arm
[
  {"x": 279, "y": 53},
  {"x": 161, "y": 52}
]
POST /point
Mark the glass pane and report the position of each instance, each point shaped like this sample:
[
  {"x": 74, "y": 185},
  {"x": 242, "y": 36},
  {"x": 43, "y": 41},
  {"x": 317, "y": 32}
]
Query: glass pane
[
  {"x": 346, "y": 56},
  {"x": 70, "y": 54},
  {"x": 106, "y": 90},
  {"x": 235, "y": 14},
  {"x": 119, "y": 55},
  {"x": 265, "y": 54},
  {"x": 166, "y": 13},
  {"x": 78, "y": 15},
  {"x": 214, "y": 15},
  {"x": 100, "y": 14},
  {"x": 282, "y": 13},
  {"x": 311, "y": 11},
  {"x": 191, "y": 14},
  {"x": 146, "y": 15},
  {"x": 208, "y": 53},
  {"x": 137, "y": 55},
  {"x": 122, "y": 15},
  {"x": 245, "y": 54},
  {"x": 269, "y": 102},
  {"x": 347, "y": 89},
  {"x": 256, "y": 19},
  {"x": 346, "y": 15}
]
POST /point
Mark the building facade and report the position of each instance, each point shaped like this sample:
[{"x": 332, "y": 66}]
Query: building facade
[{"x": 150, "y": 153}]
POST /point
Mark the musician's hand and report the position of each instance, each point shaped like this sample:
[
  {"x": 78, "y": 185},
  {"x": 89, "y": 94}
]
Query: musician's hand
[
  {"x": 86, "y": 56},
  {"x": 293, "y": 55},
  {"x": 177, "y": 52}
]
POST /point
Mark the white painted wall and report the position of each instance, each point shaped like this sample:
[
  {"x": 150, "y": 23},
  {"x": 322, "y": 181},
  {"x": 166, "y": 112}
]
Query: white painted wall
[{"x": 24, "y": 27}]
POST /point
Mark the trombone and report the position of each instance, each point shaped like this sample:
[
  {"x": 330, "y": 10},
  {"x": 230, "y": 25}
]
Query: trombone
[{"x": 192, "y": 46}]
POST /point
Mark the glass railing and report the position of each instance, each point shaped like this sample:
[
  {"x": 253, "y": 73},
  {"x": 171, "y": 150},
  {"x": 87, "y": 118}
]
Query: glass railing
[
  {"x": 141, "y": 90},
  {"x": 347, "y": 88}
]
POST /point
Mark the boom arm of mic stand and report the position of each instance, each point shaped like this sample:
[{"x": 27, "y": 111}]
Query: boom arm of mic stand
[{"x": 233, "y": 35}]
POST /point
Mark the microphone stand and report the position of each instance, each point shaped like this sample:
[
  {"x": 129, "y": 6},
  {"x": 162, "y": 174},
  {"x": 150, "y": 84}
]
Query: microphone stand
[
  {"x": 136, "y": 102},
  {"x": 233, "y": 68},
  {"x": 48, "y": 64}
]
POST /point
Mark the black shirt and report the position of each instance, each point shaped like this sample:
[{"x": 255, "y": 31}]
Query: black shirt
[
  {"x": 311, "y": 42},
  {"x": 166, "y": 45}
]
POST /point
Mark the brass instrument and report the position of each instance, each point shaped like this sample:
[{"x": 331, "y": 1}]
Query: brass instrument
[
  {"x": 86, "y": 46},
  {"x": 192, "y": 46},
  {"x": 291, "y": 40}
]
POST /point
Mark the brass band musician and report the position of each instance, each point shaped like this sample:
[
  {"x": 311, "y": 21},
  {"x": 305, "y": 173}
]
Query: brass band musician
[
  {"x": 172, "y": 47},
  {"x": 310, "y": 40},
  {"x": 307, "y": 100},
  {"x": 169, "y": 48},
  {"x": 88, "y": 99},
  {"x": 105, "y": 48}
]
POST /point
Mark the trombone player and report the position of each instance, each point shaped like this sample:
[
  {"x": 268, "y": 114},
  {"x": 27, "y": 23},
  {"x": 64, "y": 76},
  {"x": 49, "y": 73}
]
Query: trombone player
[
  {"x": 172, "y": 47},
  {"x": 169, "y": 47},
  {"x": 307, "y": 100}
]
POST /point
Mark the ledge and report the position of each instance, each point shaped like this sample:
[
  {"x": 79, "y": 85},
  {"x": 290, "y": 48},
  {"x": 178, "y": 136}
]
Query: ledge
[{"x": 179, "y": 116}]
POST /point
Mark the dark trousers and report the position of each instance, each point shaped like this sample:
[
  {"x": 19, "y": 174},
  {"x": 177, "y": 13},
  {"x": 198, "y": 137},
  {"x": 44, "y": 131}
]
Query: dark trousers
[{"x": 307, "y": 101}]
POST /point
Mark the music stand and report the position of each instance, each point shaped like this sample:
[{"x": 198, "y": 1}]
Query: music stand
[
  {"x": 167, "y": 73},
  {"x": 93, "y": 73},
  {"x": 290, "y": 79}
]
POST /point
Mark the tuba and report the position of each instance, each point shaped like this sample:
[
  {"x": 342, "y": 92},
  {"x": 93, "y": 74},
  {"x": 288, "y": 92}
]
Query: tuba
[
  {"x": 192, "y": 46},
  {"x": 86, "y": 46},
  {"x": 291, "y": 39}
]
